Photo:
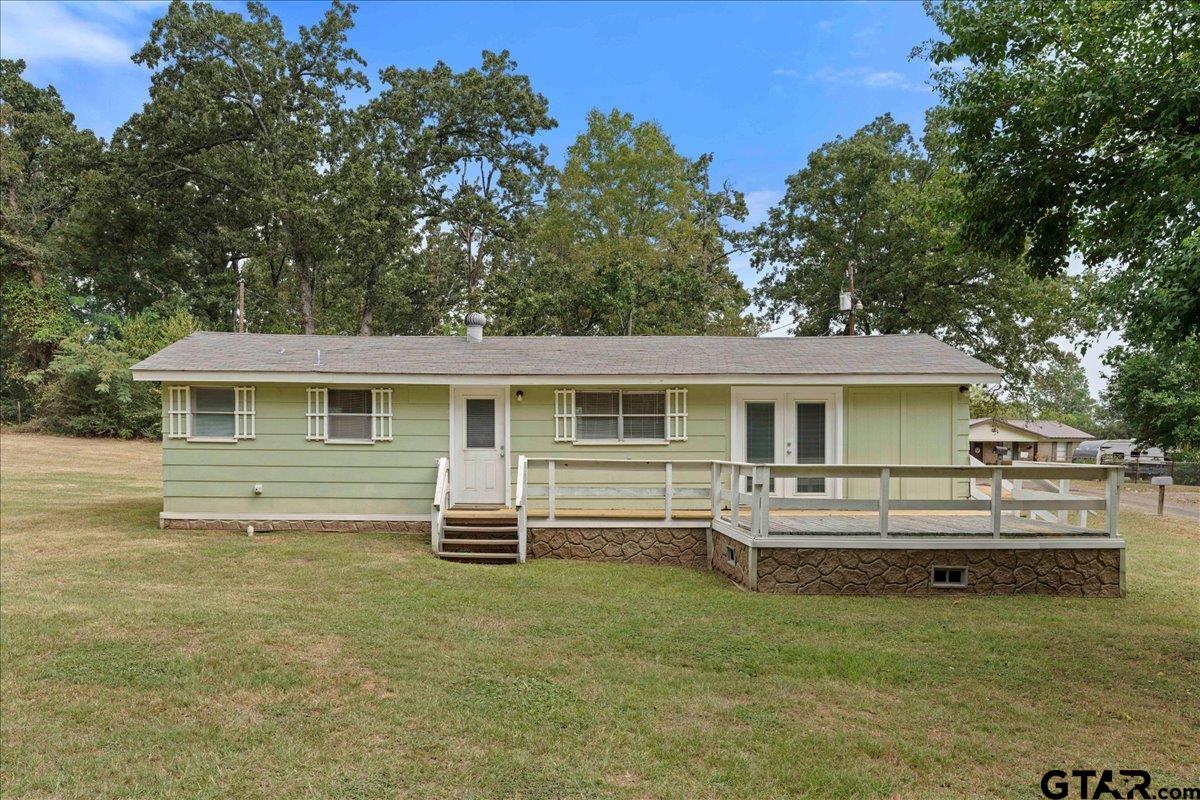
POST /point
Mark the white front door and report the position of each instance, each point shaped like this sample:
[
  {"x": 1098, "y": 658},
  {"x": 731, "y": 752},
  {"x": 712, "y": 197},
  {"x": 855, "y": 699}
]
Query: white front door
[{"x": 477, "y": 464}]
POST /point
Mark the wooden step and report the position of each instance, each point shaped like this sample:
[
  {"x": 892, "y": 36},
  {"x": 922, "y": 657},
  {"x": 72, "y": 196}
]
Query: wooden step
[
  {"x": 488, "y": 542},
  {"x": 480, "y": 529},
  {"x": 455, "y": 554}
]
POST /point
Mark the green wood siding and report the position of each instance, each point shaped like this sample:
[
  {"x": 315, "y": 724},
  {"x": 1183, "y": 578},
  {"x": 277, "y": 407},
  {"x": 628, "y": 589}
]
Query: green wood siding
[
  {"x": 303, "y": 477},
  {"x": 907, "y": 425},
  {"x": 911, "y": 424}
]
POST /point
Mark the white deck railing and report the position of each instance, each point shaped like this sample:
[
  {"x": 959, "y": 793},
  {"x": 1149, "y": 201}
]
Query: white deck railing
[
  {"x": 731, "y": 479},
  {"x": 739, "y": 494}
]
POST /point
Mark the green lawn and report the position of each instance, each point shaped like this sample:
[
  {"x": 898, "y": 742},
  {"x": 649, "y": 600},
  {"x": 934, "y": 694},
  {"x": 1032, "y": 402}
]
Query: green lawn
[{"x": 140, "y": 662}]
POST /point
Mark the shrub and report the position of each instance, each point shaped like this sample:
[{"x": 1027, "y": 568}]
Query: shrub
[{"x": 88, "y": 389}]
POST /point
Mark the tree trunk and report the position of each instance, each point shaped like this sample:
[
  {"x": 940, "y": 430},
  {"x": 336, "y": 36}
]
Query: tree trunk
[
  {"x": 307, "y": 316},
  {"x": 368, "y": 305}
]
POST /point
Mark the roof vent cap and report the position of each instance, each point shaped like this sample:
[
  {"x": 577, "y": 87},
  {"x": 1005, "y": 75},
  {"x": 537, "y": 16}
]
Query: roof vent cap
[{"x": 475, "y": 322}]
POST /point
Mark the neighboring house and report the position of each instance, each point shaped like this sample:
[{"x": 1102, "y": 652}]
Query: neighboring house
[
  {"x": 1024, "y": 440},
  {"x": 619, "y": 448}
]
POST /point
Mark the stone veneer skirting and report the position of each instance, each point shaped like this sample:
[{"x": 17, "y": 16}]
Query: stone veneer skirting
[
  {"x": 1093, "y": 572},
  {"x": 265, "y": 525},
  {"x": 680, "y": 547},
  {"x": 1068, "y": 571}
]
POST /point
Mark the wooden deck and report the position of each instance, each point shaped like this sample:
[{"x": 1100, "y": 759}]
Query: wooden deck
[
  {"x": 806, "y": 523},
  {"x": 924, "y": 524}
]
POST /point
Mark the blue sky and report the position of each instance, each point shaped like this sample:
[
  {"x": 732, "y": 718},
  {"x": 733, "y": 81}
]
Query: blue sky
[{"x": 757, "y": 85}]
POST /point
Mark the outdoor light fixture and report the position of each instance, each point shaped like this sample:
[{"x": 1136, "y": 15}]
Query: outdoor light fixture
[{"x": 520, "y": 395}]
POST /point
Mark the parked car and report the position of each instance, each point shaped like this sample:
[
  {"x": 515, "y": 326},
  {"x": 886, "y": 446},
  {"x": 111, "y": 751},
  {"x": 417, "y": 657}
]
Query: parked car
[{"x": 1117, "y": 451}]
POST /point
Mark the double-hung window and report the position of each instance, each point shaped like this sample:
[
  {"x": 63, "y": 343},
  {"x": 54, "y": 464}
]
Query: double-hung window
[
  {"x": 616, "y": 415},
  {"x": 210, "y": 413},
  {"x": 352, "y": 416}
]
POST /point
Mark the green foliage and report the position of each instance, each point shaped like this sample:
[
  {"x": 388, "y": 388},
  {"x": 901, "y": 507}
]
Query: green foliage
[
  {"x": 1158, "y": 393},
  {"x": 1078, "y": 124},
  {"x": 633, "y": 239},
  {"x": 892, "y": 210},
  {"x": 88, "y": 389}
]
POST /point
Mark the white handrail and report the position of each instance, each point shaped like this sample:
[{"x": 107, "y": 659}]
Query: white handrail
[
  {"x": 440, "y": 500},
  {"x": 522, "y": 511}
]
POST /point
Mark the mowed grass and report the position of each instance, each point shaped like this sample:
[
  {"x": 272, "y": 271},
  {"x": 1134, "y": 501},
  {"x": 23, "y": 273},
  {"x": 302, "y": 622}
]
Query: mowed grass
[{"x": 138, "y": 662}]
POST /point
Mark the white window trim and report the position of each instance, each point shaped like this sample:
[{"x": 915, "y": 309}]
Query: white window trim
[
  {"x": 243, "y": 414},
  {"x": 318, "y": 416},
  {"x": 674, "y": 417}
]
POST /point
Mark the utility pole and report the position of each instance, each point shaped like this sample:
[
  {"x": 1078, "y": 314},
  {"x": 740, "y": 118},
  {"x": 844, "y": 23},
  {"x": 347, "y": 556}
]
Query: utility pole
[
  {"x": 850, "y": 302},
  {"x": 241, "y": 296}
]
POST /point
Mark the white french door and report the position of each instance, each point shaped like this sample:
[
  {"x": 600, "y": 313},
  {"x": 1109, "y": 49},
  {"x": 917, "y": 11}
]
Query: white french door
[
  {"x": 478, "y": 472},
  {"x": 789, "y": 426}
]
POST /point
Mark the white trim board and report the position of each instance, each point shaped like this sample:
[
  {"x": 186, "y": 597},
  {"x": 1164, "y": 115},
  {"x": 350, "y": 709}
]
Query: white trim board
[
  {"x": 234, "y": 515},
  {"x": 585, "y": 522},
  {"x": 664, "y": 380},
  {"x": 802, "y": 542}
]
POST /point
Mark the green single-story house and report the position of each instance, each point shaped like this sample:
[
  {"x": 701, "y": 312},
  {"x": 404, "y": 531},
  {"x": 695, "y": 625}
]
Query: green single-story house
[{"x": 567, "y": 434}]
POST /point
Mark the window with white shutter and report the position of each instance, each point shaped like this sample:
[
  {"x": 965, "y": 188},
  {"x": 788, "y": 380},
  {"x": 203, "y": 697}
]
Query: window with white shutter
[
  {"x": 381, "y": 415},
  {"x": 178, "y": 412},
  {"x": 677, "y": 415},
  {"x": 620, "y": 416},
  {"x": 564, "y": 415},
  {"x": 317, "y": 403},
  {"x": 243, "y": 416},
  {"x": 349, "y": 416}
]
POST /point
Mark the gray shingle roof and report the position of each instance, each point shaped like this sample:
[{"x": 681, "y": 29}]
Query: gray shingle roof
[
  {"x": 916, "y": 354},
  {"x": 1046, "y": 428}
]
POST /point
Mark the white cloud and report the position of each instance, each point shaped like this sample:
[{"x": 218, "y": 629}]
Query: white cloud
[
  {"x": 759, "y": 202},
  {"x": 884, "y": 79},
  {"x": 102, "y": 33},
  {"x": 862, "y": 76},
  {"x": 786, "y": 73}
]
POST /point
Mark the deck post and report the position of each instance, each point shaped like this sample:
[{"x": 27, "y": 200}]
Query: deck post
[
  {"x": 1112, "y": 504},
  {"x": 550, "y": 489},
  {"x": 764, "y": 502},
  {"x": 752, "y": 567},
  {"x": 668, "y": 490},
  {"x": 755, "y": 507},
  {"x": 714, "y": 488},
  {"x": 735, "y": 484},
  {"x": 885, "y": 492},
  {"x": 1064, "y": 488},
  {"x": 997, "y": 490}
]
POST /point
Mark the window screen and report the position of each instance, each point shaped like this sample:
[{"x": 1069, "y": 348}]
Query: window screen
[
  {"x": 760, "y": 437},
  {"x": 213, "y": 412},
  {"x": 760, "y": 433},
  {"x": 810, "y": 443},
  {"x": 350, "y": 414},
  {"x": 643, "y": 415},
  {"x": 597, "y": 414},
  {"x": 481, "y": 422}
]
